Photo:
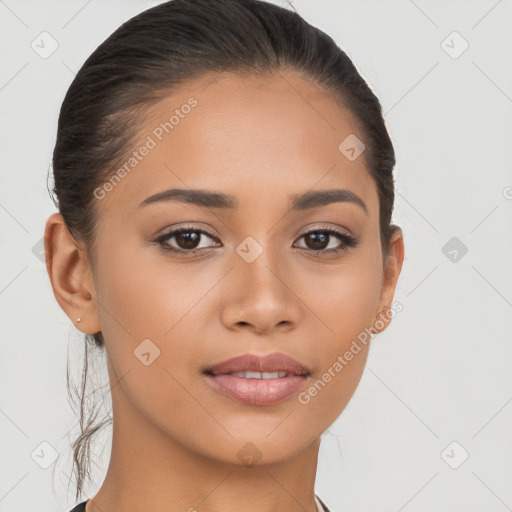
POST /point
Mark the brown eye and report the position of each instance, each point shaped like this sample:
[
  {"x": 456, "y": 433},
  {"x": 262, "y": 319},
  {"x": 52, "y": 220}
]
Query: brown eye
[
  {"x": 320, "y": 239},
  {"x": 317, "y": 240},
  {"x": 186, "y": 240}
]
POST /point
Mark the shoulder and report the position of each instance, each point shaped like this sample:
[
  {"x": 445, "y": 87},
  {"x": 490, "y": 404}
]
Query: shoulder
[
  {"x": 80, "y": 507},
  {"x": 322, "y": 504}
]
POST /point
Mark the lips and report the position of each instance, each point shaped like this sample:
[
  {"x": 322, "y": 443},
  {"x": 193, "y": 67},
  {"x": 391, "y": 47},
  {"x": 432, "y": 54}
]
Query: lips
[
  {"x": 270, "y": 363},
  {"x": 258, "y": 380}
]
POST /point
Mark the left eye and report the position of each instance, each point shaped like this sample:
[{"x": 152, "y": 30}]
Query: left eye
[{"x": 321, "y": 239}]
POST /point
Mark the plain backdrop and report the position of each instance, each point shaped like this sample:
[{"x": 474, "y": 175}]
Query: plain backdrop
[{"x": 429, "y": 426}]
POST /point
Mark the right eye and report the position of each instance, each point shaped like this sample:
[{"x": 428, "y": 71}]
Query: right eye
[{"x": 187, "y": 240}]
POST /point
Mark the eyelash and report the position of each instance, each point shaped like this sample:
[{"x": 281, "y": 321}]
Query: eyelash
[{"x": 348, "y": 240}]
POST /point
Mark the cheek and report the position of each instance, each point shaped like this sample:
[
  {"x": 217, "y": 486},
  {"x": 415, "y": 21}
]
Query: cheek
[
  {"x": 143, "y": 296},
  {"x": 345, "y": 302},
  {"x": 150, "y": 312},
  {"x": 147, "y": 318},
  {"x": 345, "y": 299}
]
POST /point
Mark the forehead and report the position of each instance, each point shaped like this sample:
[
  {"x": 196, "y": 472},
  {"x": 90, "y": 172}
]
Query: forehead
[{"x": 264, "y": 136}]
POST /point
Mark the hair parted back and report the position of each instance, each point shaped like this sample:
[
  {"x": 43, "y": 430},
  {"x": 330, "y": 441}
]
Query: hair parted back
[{"x": 155, "y": 53}]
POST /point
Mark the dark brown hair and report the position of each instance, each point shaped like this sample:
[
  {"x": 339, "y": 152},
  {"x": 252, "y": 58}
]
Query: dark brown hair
[{"x": 153, "y": 54}]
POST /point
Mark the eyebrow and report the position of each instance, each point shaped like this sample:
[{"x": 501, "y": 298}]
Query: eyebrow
[{"x": 310, "y": 199}]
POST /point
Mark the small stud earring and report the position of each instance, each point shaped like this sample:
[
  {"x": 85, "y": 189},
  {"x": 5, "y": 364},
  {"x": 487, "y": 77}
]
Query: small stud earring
[{"x": 78, "y": 319}]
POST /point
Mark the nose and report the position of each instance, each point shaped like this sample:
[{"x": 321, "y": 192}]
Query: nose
[{"x": 260, "y": 297}]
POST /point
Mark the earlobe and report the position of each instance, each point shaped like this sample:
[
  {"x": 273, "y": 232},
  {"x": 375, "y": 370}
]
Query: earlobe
[{"x": 69, "y": 274}]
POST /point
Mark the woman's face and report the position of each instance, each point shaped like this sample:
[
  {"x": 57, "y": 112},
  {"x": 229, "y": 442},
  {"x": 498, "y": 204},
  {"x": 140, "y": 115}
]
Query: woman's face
[{"x": 246, "y": 278}]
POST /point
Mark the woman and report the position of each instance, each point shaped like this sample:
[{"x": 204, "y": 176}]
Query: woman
[{"x": 224, "y": 180}]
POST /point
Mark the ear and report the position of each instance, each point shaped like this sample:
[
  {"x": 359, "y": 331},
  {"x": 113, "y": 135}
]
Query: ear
[
  {"x": 70, "y": 276},
  {"x": 392, "y": 268}
]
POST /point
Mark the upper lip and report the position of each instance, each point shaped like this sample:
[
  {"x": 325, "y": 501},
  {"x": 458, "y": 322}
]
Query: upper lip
[{"x": 274, "y": 362}]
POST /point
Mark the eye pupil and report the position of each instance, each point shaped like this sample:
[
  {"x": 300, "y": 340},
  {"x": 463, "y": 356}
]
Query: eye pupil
[
  {"x": 315, "y": 236},
  {"x": 190, "y": 237}
]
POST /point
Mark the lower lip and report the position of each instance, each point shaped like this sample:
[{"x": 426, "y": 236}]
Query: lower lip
[{"x": 256, "y": 391}]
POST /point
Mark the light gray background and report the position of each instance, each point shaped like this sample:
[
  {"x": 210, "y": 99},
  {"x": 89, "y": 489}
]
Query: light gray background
[{"x": 440, "y": 373}]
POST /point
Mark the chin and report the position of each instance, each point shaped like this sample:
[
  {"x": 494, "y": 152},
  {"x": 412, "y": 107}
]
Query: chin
[{"x": 250, "y": 447}]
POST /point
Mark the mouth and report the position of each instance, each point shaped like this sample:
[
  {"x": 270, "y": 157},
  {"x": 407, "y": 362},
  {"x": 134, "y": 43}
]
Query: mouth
[{"x": 258, "y": 380}]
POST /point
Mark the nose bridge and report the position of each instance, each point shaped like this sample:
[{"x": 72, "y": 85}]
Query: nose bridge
[
  {"x": 260, "y": 295},
  {"x": 257, "y": 265}
]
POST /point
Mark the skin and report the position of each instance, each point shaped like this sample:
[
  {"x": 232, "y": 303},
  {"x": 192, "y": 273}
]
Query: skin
[{"x": 175, "y": 439}]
